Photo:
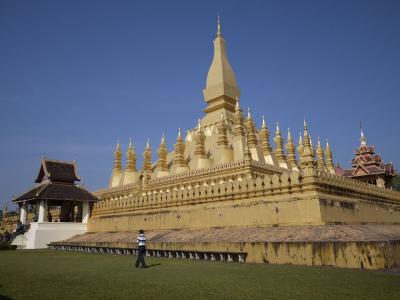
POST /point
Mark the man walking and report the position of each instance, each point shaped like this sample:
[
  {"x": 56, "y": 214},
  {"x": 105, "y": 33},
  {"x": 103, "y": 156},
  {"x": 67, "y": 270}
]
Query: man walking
[{"x": 141, "y": 240}]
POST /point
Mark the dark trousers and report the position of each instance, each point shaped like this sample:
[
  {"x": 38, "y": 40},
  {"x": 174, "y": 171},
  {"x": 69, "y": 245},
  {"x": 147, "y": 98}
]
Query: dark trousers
[{"x": 140, "y": 258}]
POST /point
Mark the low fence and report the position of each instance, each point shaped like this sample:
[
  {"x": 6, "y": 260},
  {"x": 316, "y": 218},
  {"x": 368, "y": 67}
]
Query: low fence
[{"x": 239, "y": 257}]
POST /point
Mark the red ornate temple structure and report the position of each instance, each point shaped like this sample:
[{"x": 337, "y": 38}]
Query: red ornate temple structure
[{"x": 368, "y": 166}]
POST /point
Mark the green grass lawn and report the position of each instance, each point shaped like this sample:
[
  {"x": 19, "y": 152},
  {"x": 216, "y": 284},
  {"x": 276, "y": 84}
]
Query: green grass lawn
[{"x": 48, "y": 274}]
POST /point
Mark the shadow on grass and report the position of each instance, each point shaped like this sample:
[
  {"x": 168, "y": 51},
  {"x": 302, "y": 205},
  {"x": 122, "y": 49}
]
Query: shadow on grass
[
  {"x": 4, "y": 297},
  {"x": 153, "y": 265}
]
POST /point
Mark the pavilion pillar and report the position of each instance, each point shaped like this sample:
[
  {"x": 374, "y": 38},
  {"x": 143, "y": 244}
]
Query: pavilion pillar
[
  {"x": 24, "y": 212},
  {"x": 42, "y": 208},
  {"x": 85, "y": 212}
]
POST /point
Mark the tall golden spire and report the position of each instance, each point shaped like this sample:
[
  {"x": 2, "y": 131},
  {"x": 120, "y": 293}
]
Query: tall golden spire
[
  {"x": 291, "y": 152},
  {"x": 280, "y": 155},
  {"x": 329, "y": 160},
  {"x": 162, "y": 152},
  {"x": 146, "y": 167},
  {"x": 130, "y": 157},
  {"x": 117, "y": 157},
  {"x": 221, "y": 87},
  {"x": 321, "y": 159}
]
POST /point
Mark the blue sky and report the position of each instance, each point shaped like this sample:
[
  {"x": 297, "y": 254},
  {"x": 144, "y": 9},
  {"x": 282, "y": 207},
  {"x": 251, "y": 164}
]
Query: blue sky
[{"x": 75, "y": 76}]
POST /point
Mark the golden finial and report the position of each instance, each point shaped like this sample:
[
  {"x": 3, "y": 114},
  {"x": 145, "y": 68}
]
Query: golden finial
[
  {"x": 278, "y": 131},
  {"x": 163, "y": 138},
  {"x": 198, "y": 125},
  {"x": 289, "y": 137},
  {"x": 248, "y": 113},
  {"x": 179, "y": 133},
  {"x": 263, "y": 123},
  {"x": 130, "y": 143},
  {"x": 148, "y": 144},
  {"x": 219, "y": 26},
  {"x": 300, "y": 146},
  {"x": 118, "y": 147}
]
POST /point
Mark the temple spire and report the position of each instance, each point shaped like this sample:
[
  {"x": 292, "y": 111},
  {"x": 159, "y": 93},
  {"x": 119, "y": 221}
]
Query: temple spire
[
  {"x": 291, "y": 152},
  {"x": 162, "y": 152},
  {"x": 219, "y": 27},
  {"x": 279, "y": 154},
  {"x": 363, "y": 139},
  {"x": 321, "y": 159},
  {"x": 117, "y": 157},
  {"x": 251, "y": 131},
  {"x": 130, "y": 157},
  {"x": 329, "y": 159},
  {"x": 221, "y": 89},
  {"x": 179, "y": 163},
  {"x": 146, "y": 167}
]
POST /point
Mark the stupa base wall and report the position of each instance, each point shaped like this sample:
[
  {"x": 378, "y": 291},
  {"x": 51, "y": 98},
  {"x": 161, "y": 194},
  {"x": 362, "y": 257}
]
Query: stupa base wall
[{"x": 262, "y": 212}]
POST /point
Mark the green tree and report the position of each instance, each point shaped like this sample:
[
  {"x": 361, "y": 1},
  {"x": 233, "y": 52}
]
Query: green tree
[{"x": 396, "y": 183}]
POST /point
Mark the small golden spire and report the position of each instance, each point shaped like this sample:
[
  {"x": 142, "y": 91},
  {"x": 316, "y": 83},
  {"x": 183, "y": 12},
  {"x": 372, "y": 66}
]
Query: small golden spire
[
  {"x": 179, "y": 154},
  {"x": 264, "y": 135},
  {"x": 130, "y": 157},
  {"x": 146, "y": 167},
  {"x": 117, "y": 157},
  {"x": 251, "y": 130},
  {"x": 280, "y": 155},
  {"x": 238, "y": 123},
  {"x": 198, "y": 125},
  {"x": 162, "y": 153},
  {"x": 321, "y": 158},
  {"x": 222, "y": 139},
  {"x": 329, "y": 160},
  {"x": 291, "y": 152}
]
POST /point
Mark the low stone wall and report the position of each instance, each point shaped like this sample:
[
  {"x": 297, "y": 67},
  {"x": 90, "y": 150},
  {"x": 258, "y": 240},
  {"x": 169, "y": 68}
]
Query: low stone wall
[
  {"x": 364, "y": 255},
  {"x": 356, "y": 246}
]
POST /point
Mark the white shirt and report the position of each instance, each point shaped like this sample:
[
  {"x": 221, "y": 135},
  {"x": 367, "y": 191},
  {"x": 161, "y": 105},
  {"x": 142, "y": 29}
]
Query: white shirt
[{"x": 141, "y": 240}]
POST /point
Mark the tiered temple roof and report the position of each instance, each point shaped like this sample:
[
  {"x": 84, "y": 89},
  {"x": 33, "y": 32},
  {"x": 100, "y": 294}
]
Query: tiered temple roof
[
  {"x": 56, "y": 182},
  {"x": 368, "y": 166}
]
